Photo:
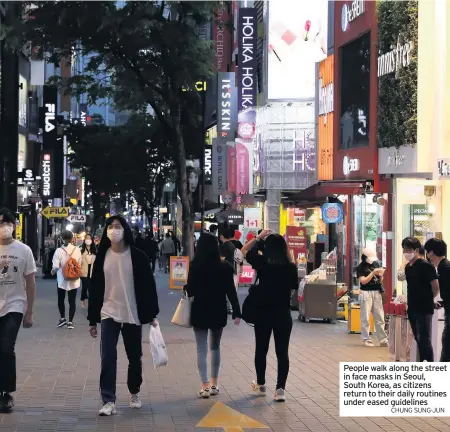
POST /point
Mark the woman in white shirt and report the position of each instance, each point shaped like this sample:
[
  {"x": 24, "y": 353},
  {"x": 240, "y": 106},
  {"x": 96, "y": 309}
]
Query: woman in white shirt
[
  {"x": 60, "y": 258},
  {"x": 122, "y": 298},
  {"x": 88, "y": 251}
]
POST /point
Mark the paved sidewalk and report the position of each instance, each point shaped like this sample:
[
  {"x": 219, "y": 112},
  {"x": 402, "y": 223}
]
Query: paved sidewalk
[{"x": 58, "y": 374}]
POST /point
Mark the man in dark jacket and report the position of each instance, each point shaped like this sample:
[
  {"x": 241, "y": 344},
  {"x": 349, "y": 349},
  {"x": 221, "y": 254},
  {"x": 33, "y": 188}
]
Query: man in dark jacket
[
  {"x": 437, "y": 255},
  {"x": 122, "y": 298}
]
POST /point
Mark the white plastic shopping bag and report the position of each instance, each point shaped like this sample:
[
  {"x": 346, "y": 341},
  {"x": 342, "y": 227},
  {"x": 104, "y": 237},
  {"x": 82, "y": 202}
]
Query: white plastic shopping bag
[
  {"x": 182, "y": 316},
  {"x": 158, "y": 347}
]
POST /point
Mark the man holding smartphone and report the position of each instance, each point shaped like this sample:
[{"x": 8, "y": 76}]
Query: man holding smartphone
[{"x": 370, "y": 276}]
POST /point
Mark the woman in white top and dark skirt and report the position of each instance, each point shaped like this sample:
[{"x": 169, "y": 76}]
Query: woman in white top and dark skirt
[
  {"x": 88, "y": 252},
  {"x": 122, "y": 298}
]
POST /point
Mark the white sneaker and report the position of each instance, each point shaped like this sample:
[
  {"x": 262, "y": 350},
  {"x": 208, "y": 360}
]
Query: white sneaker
[
  {"x": 70, "y": 325},
  {"x": 135, "y": 401},
  {"x": 384, "y": 344},
  {"x": 368, "y": 343},
  {"x": 108, "y": 409},
  {"x": 260, "y": 390},
  {"x": 279, "y": 395},
  {"x": 214, "y": 391},
  {"x": 204, "y": 393}
]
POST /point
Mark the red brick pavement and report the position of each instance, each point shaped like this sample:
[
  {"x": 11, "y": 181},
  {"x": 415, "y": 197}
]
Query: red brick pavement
[{"x": 58, "y": 373}]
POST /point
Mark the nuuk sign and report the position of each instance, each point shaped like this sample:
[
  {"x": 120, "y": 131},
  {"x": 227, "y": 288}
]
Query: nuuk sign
[{"x": 399, "y": 57}]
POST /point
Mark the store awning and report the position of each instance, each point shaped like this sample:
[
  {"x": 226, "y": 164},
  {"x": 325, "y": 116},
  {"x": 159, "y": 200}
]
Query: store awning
[{"x": 319, "y": 192}]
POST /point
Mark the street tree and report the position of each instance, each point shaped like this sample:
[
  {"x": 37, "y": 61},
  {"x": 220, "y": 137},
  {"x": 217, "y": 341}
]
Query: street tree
[{"x": 147, "y": 53}]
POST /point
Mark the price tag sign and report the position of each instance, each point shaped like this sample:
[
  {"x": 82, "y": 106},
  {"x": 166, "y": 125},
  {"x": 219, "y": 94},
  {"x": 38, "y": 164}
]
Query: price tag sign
[{"x": 252, "y": 218}]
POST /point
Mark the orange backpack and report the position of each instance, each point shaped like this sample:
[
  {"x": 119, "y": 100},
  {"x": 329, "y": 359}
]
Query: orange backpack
[{"x": 72, "y": 269}]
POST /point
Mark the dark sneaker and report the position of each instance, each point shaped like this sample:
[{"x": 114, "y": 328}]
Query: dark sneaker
[
  {"x": 62, "y": 322},
  {"x": 279, "y": 395},
  {"x": 7, "y": 404}
]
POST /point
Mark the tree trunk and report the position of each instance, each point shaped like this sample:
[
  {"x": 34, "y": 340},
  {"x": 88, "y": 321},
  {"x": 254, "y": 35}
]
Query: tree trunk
[{"x": 186, "y": 200}]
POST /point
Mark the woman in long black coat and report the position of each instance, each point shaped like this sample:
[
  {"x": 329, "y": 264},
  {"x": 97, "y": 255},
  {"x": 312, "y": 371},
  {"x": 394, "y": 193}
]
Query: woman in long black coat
[{"x": 210, "y": 282}]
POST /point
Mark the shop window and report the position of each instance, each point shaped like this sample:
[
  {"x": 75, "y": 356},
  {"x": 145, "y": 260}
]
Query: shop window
[
  {"x": 417, "y": 223},
  {"x": 368, "y": 227},
  {"x": 23, "y": 101},
  {"x": 355, "y": 93}
]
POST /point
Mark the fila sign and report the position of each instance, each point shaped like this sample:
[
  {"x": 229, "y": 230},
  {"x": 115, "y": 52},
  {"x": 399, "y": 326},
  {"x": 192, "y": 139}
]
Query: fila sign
[{"x": 48, "y": 120}]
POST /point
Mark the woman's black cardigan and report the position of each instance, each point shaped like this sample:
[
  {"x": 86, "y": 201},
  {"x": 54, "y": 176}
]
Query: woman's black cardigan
[{"x": 144, "y": 288}]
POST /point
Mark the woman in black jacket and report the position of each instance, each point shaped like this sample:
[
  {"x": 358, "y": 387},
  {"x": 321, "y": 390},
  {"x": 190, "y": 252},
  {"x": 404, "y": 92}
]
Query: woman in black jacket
[
  {"x": 210, "y": 282},
  {"x": 122, "y": 297},
  {"x": 277, "y": 277}
]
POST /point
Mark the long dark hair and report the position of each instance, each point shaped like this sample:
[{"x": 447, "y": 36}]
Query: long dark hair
[
  {"x": 105, "y": 242},
  {"x": 276, "y": 250},
  {"x": 207, "y": 254},
  {"x": 84, "y": 247}
]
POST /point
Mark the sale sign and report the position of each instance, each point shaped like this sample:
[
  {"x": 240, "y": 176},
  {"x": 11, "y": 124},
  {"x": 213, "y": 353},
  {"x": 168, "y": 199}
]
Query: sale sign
[
  {"x": 297, "y": 243},
  {"x": 252, "y": 218},
  {"x": 247, "y": 275}
]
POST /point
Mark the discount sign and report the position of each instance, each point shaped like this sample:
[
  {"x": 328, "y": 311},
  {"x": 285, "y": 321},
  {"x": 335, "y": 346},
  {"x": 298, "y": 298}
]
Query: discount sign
[{"x": 252, "y": 218}]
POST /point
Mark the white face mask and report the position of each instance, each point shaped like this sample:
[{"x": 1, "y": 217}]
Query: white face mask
[
  {"x": 370, "y": 260},
  {"x": 88, "y": 242},
  {"x": 409, "y": 256},
  {"x": 115, "y": 235},
  {"x": 6, "y": 231}
]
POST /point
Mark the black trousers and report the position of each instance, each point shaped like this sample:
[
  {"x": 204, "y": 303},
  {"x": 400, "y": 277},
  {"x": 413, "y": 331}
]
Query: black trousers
[
  {"x": 72, "y": 297},
  {"x": 132, "y": 339},
  {"x": 9, "y": 329},
  {"x": 281, "y": 334},
  {"x": 445, "y": 353},
  {"x": 85, "y": 283},
  {"x": 421, "y": 328},
  {"x": 153, "y": 263}
]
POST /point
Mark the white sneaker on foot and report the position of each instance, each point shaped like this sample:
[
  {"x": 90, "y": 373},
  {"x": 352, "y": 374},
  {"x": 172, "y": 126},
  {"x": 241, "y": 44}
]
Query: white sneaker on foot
[
  {"x": 204, "y": 393},
  {"x": 279, "y": 395},
  {"x": 70, "y": 325},
  {"x": 260, "y": 390},
  {"x": 384, "y": 344},
  {"x": 368, "y": 343},
  {"x": 135, "y": 401},
  {"x": 108, "y": 409},
  {"x": 214, "y": 391}
]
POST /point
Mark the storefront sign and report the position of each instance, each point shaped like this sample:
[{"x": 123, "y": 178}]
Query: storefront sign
[
  {"x": 444, "y": 168},
  {"x": 56, "y": 212},
  {"x": 231, "y": 165},
  {"x": 304, "y": 151},
  {"x": 325, "y": 121},
  {"x": 83, "y": 114},
  {"x": 248, "y": 64},
  {"x": 221, "y": 37},
  {"x": 46, "y": 175},
  {"x": 350, "y": 13},
  {"x": 48, "y": 119},
  {"x": 28, "y": 175},
  {"x": 199, "y": 86},
  {"x": 297, "y": 243},
  {"x": 252, "y": 218},
  {"x": 226, "y": 105},
  {"x": 350, "y": 165},
  {"x": 244, "y": 167},
  {"x": 219, "y": 166},
  {"x": 332, "y": 213},
  {"x": 402, "y": 160},
  {"x": 398, "y": 58},
  {"x": 208, "y": 165}
]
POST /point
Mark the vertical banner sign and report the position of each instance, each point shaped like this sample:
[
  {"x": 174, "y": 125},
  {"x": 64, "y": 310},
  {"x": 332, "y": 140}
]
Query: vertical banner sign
[
  {"x": 49, "y": 117},
  {"x": 219, "y": 166},
  {"x": 47, "y": 175},
  {"x": 226, "y": 105},
  {"x": 231, "y": 165},
  {"x": 221, "y": 37},
  {"x": 296, "y": 243},
  {"x": 247, "y": 65},
  {"x": 244, "y": 167},
  {"x": 83, "y": 114}
]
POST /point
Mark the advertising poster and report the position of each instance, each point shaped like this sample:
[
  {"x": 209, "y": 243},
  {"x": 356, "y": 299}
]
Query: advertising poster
[
  {"x": 297, "y": 243},
  {"x": 248, "y": 62},
  {"x": 194, "y": 174},
  {"x": 179, "y": 269},
  {"x": 231, "y": 165},
  {"x": 297, "y": 40},
  {"x": 244, "y": 167},
  {"x": 252, "y": 218}
]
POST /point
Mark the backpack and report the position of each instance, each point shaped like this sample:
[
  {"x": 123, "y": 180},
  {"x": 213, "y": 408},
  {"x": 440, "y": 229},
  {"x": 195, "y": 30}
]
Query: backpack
[{"x": 72, "y": 269}]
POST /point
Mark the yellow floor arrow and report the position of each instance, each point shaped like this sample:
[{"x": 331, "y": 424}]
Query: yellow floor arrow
[{"x": 222, "y": 416}]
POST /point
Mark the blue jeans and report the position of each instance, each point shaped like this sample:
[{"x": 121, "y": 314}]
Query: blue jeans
[
  {"x": 201, "y": 336},
  {"x": 132, "y": 339}
]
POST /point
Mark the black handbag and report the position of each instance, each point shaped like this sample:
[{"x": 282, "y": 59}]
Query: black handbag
[{"x": 250, "y": 305}]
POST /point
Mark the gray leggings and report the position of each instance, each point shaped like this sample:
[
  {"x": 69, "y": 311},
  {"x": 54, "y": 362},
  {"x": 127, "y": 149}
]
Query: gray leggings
[{"x": 201, "y": 336}]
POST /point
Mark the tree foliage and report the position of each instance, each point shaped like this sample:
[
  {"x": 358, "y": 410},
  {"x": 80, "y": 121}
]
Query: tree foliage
[{"x": 146, "y": 52}]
